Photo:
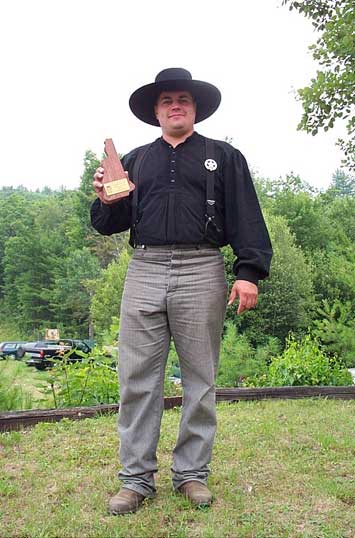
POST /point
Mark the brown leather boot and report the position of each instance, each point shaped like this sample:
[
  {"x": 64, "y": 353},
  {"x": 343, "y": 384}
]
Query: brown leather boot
[
  {"x": 197, "y": 493},
  {"x": 125, "y": 502}
]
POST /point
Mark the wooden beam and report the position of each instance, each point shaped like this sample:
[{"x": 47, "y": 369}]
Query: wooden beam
[{"x": 16, "y": 420}]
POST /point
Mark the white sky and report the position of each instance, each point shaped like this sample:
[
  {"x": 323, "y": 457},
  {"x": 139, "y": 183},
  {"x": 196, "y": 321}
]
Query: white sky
[{"x": 69, "y": 66}]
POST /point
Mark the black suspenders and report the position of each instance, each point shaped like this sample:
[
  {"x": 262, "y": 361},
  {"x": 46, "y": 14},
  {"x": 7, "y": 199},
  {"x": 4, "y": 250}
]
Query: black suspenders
[{"x": 210, "y": 165}]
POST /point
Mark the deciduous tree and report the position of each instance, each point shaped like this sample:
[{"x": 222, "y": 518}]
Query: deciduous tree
[{"x": 330, "y": 95}]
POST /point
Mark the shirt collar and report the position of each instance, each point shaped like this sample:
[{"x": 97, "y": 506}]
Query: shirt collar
[{"x": 188, "y": 140}]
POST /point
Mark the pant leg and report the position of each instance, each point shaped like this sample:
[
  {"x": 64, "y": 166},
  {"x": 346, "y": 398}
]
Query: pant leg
[
  {"x": 196, "y": 310},
  {"x": 143, "y": 350}
]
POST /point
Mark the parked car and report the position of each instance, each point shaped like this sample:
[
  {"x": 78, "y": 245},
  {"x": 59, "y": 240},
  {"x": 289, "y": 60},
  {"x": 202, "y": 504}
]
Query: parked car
[
  {"x": 45, "y": 353},
  {"x": 12, "y": 349}
]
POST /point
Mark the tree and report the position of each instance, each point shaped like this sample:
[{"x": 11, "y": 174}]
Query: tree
[
  {"x": 330, "y": 96},
  {"x": 336, "y": 330},
  {"x": 82, "y": 231},
  {"x": 286, "y": 299},
  {"x": 108, "y": 293},
  {"x": 342, "y": 184}
]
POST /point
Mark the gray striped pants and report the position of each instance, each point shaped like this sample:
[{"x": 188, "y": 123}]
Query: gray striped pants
[{"x": 178, "y": 293}]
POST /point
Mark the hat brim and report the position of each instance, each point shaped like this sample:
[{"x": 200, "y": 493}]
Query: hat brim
[{"x": 143, "y": 100}]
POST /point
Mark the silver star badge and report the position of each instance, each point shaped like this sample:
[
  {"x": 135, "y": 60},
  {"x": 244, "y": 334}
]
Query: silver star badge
[{"x": 211, "y": 165}]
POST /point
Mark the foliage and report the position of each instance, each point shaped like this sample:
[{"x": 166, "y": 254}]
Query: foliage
[
  {"x": 12, "y": 395},
  {"x": 334, "y": 275},
  {"x": 8, "y": 328},
  {"x": 286, "y": 299},
  {"x": 107, "y": 293},
  {"x": 32, "y": 256},
  {"x": 71, "y": 297},
  {"x": 342, "y": 184},
  {"x": 92, "y": 381},
  {"x": 330, "y": 96},
  {"x": 239, "y": 360},
  {"x": 110, "y": 336},
  {"x": 80, "y": 227},
  {"x": 303, "y": 363},
  {"x": 336, "y": 330}
]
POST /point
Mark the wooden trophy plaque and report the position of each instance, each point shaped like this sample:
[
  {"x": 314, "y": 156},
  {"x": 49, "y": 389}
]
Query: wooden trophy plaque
[{"x": 115, "y": 182}]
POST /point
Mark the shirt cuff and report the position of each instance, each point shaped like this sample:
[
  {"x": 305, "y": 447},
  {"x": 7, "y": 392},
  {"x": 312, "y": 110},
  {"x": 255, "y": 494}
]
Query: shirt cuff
[{"x": 246, "y": 273}]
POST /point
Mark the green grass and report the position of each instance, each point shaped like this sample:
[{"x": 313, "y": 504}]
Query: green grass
[
  {"x": 29, "y": 380},
  {"x": 281, "y": 468}
]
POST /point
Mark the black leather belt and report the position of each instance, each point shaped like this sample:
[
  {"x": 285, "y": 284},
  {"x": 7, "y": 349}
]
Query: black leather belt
[{"x": 176, "y": 246}]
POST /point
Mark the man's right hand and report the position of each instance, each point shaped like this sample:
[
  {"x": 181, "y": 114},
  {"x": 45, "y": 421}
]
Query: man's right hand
[{"x": 98, "y": 186}]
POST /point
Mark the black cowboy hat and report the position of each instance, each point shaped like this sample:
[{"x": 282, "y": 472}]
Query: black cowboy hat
[{"x": 206, "y": 95}]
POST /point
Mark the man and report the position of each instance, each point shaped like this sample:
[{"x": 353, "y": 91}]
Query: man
[{"x": 192, "y": 195}]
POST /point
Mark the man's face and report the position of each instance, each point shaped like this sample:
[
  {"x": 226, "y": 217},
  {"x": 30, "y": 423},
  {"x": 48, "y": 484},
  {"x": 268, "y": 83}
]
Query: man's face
[{"x": 176, "y": 112}]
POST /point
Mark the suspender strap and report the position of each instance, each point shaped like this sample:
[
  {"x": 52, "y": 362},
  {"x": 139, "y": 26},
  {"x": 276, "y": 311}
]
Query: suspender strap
[
  {"x": 210, "y": 201},
  {"x": 210, "y": 180},
  {"x": 136, "y": 170}
]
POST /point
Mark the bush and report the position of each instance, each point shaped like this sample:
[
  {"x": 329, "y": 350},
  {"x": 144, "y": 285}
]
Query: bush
[
  {"x": 238, "y": 359},
  {"x": 92, "y": 381},
  {"x": 303, "y": 363},
  {"x": 336, "y": 330}
]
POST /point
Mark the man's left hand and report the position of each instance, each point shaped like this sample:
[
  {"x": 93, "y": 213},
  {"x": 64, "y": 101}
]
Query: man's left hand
[{"x": 247, "y": 293}]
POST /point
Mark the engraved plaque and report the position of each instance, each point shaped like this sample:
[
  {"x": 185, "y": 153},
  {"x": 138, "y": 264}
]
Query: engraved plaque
[{"x": 116, "y": 184}]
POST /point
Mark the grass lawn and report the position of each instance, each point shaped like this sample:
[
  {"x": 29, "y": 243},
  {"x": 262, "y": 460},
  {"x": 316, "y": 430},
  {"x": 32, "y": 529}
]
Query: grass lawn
[
  {"x": 281, "y": 468},
  {"x": 29, "y": 380}
]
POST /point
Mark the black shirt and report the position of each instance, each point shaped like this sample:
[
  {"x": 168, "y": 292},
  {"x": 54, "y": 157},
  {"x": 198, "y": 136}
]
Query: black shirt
[{"x": 172, "y": 203}]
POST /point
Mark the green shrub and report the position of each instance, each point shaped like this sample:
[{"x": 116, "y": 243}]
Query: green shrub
[
  {"x": 238, "y": 359},
  {"x": 12, "y": 396},
  {"x": 336, "y": 330},
  {"x": 92, "y": 381},
  {"x": 303, "y": 363}
]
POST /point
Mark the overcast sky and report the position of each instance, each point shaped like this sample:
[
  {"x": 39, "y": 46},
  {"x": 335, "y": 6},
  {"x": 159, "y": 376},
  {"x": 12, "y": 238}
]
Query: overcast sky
[{"x": 69, "y": 67}]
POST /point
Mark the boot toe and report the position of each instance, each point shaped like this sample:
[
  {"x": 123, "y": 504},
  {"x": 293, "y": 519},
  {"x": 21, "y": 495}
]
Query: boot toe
[
  {"x": 197, "y": 493},
  {"x": 125, "y": 502}
]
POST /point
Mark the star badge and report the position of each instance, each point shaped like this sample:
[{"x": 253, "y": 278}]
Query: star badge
[{"x": 211, "y": 165}]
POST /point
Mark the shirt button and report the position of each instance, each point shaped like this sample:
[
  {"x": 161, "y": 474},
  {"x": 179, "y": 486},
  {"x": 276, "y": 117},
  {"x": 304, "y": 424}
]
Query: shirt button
[
  {"x": 172, "y": 181},
  {"x": 172, "y": 171}
]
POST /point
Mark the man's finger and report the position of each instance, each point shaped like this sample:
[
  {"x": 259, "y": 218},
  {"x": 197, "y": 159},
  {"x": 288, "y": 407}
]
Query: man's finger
[
  {"x": 97, "y": 185},
  {"x": 232, "y": 297},
  {"x": 241, "y": 306}
]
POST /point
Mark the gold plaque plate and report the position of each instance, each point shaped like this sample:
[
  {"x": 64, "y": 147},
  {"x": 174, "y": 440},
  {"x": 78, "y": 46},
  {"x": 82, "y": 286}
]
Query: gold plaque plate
[{"x": 117, "y": 186}]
